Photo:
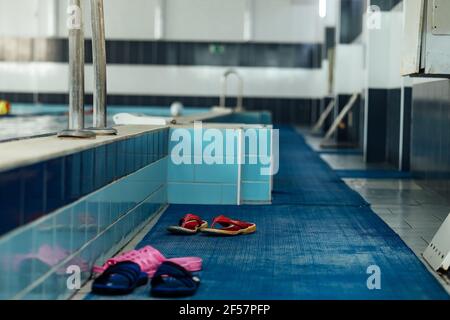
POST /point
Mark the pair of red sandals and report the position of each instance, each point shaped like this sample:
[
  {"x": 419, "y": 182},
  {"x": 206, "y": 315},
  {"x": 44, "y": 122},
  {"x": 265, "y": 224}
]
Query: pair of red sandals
[{"x": 192, "y": 224}]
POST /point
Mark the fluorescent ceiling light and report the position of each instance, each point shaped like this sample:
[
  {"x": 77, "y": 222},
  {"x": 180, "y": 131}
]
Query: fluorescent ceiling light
[{"x": 322, "y": 8}]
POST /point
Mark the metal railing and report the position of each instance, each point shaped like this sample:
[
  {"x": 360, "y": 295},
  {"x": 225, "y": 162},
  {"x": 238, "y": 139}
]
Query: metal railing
[
  {"x": 76, "y": 72},
  {"x": 99, "y": 59},
  {"x": 223, "y": 97}
]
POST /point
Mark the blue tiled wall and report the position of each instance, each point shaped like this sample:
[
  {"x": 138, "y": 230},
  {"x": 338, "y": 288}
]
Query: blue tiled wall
[
  {"x": 219, "y": 183},
  {"x": 31, "y": 192},
  {"x": 256, "y": 187},
  {"x": 83, "y": 207},
  {"x": 33, "y": 259}
]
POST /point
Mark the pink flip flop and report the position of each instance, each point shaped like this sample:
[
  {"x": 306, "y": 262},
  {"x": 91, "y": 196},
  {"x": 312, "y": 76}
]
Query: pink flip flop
[{"x": 149, "y": 259}]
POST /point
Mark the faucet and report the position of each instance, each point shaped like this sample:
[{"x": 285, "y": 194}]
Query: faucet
[{"x": 239, "y": 106}]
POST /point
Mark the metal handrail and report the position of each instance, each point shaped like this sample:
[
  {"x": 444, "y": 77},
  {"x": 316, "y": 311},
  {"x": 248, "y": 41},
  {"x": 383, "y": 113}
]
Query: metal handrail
[
  {"x": 76, "y": 75},
  {"x": 239, "y": 106},
  {"x": 99, "y": 59}
]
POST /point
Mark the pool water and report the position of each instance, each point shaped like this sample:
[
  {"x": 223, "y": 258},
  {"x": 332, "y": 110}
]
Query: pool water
[{"x": 29, "y": 120}]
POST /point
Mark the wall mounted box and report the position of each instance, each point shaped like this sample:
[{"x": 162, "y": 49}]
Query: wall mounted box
[
  {"x": 426, "y": 46},
  {"x": 438, "y": 252}
]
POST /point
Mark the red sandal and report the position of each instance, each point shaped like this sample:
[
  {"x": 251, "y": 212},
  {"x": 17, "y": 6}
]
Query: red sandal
[
  {"x": 230, "y": 227},
  {"x": 189, "y": 224}
]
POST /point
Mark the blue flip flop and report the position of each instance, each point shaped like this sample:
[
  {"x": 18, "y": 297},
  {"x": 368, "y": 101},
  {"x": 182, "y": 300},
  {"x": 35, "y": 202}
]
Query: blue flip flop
[
  {"x": 119, "y": 279},
  {"x": 172, "y": 280}
]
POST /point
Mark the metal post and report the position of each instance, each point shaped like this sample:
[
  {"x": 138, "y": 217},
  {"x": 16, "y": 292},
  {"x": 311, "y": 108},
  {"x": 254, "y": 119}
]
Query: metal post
[
  {"x": 323, "y": 117},
  {"x": 76, "y": 74},
  {"x": 348, "y": 107},
  {"x": 225, "y": 76},
  {"x": 99, "y": 59}
]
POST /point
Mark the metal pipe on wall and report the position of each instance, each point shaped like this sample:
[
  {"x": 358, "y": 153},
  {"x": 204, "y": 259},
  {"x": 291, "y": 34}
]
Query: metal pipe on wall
[
  {"x": 100, "y": 78},
  {"x": 76, "y": 73}
]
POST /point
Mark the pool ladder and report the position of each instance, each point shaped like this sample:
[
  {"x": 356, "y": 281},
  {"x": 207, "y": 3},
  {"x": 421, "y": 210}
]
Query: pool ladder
[
  {"x": 240, "y": 97},
  {"x": 76, "y": 72}
]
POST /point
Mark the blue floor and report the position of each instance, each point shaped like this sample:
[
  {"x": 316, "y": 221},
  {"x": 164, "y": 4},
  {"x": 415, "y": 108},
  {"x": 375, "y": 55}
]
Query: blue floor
[
  {"x": 373, "y": 174},
  {"x": 315, "y": 242}
]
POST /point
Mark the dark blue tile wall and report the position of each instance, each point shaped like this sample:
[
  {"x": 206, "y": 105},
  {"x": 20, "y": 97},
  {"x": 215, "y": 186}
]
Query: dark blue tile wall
[
  {"x": 31, "y": 192},
  {"x": 376, "y": 130},
  {"x": 393, "y": 113},
  {"x": 407, "y": 118},
  {"x": 72, "y": 176},
  {"x": 430, "y": 135},
  {"x": 330, "y": 40},
  {"x": 385, "y": 5},
  {"x": 11, "y": 201},
  {"x": 284, "y": 110},
  {"x": 280, "y": 55},
  {"x": 351, "y": 20},
  {"x": 54, "y": 184},
  {"x": 349, "y": 131},
  {"x": 352, "y": 16},
  {"x": 383, "y": 132},
  {"x": 34, "y": 191}
]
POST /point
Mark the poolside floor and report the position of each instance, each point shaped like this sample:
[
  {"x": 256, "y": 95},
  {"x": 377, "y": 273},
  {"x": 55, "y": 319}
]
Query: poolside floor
[{"x": 317, "y": 240}]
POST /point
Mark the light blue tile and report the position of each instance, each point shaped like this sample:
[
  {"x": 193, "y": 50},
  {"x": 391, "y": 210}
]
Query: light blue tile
[
  {"x": 63, "y": 230},
  {"x": 225, "y": 174},
  {"x": 116, "y": 195},
  {"x": 180, "y": 173},
  {"x": 91, "y": 220},
  {"x": 23, "y": 261},
  {"x": 107, "y": 207},
  {"x": 119, "y": 230},
  {"x": 160, "y": 197},
  {"x": 47, "y": 252},
  {"x": 251, "y": 170},
  {"x": 194, "y": 193},
  {"x": 257, "y": 142},
  {"x": 229, "y": 194},
  {"x": 36, "y": 294},
  {"x": 255, "y": 191},
  {"x": 106, "y": 241},
  {"x": 150, "y": 178},
  {"x": 55, "y": 287},
  {"x": 6, "y": 270},
  {"x": 207, "y": 141}
]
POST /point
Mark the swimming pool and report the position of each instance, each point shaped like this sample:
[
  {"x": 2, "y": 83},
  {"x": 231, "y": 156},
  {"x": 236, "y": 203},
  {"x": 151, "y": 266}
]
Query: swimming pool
[{"x": 29, "y": 120}]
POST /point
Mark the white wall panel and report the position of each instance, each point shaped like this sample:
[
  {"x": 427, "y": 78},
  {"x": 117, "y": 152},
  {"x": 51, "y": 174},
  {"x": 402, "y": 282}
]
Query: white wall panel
[
  {"x": 133, "y": 19},
  {"x": 385, "y": 52},
  {"x": 163, "y": 80},
  {"x": 205, "y": 20},
  {"x": 332, "y": 13},
  {"x": 349, "y": 74},
  {"x": 195, "y": 20},
  {"x": 287, "y": 21},
  {"x": 19, "y": 18}
]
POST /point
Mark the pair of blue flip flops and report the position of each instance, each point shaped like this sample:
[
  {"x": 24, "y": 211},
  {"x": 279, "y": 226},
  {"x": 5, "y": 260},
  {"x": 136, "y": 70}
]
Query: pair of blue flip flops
[{"x": 170, "y": 280}]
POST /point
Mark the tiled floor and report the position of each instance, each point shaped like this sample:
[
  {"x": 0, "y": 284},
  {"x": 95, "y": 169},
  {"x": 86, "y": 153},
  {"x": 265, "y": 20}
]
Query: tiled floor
[{"x": 413, "y": 212}]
